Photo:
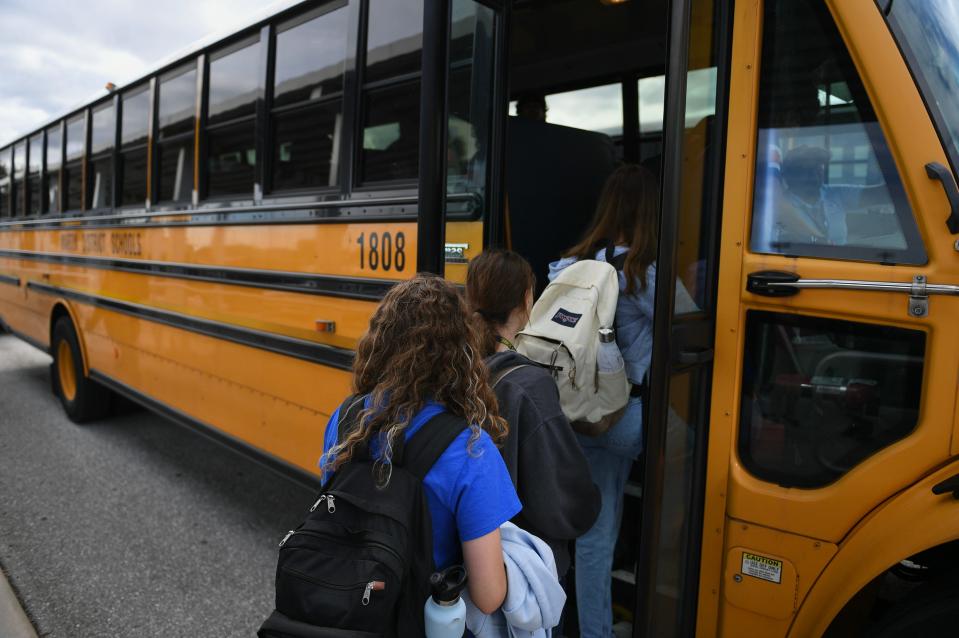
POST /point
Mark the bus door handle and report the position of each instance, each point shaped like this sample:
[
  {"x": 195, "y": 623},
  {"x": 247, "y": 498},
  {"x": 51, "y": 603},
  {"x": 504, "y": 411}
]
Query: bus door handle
[
  {"x": 951, "y": 484},
  {"x": 935, "y": 170}
]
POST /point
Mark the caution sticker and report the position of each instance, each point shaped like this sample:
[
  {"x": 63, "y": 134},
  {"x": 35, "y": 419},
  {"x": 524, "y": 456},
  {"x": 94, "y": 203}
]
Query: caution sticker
[{"x": 763, "y": 568}]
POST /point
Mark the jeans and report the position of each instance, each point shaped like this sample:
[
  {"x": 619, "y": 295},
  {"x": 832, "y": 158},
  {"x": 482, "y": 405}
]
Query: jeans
[{"x": 610, "y": 457}]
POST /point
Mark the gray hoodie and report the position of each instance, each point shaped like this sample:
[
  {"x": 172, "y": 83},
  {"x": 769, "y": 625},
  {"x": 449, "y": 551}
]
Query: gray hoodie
[{"x": 545, "y": 461}]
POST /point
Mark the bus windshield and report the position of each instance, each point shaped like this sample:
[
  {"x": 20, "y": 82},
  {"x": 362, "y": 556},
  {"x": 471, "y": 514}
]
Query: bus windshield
[{"x": 928, "y": 32}]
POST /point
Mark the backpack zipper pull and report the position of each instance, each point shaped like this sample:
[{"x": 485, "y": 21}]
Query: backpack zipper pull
[
  {"x": 330, "y": 504},
  {"x": 318, "y": 501},
  {"x": 287, "y": 537},
  {"x": 373, "y": 585}
]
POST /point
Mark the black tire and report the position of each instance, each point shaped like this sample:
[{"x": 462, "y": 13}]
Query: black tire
[
  {"x": 931, "y": 611},
  {"x": 89, "y": 400}
]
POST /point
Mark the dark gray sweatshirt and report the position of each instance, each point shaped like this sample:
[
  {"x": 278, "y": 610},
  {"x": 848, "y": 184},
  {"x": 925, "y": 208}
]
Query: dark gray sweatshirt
[{"x": 545, "y": 461}]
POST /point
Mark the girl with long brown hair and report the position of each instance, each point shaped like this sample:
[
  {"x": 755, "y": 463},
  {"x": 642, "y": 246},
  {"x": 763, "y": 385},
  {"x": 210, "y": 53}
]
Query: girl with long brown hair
[
  {"x": 544, "y": 459},
  {"x": 624, "y": 231},
  {"x": 419, "y": 358}
]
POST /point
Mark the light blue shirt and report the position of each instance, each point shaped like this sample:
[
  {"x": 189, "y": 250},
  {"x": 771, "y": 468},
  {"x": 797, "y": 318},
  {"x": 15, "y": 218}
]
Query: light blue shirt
[{"x": 634, "y": 316}]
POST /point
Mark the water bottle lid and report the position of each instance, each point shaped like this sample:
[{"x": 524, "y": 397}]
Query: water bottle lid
[
  {"x": 447, "y": 585},
  {"x": 607, "y": 335}
]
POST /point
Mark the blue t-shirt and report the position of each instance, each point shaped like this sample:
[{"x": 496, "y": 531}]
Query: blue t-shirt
[{"x": 469, "y": 493}]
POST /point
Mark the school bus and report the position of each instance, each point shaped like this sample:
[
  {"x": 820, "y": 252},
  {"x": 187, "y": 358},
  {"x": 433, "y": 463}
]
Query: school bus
[{"x": 211, "y": 238}]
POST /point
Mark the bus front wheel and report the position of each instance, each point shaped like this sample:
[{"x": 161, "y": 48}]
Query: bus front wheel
[
  {"x": 931, "y": 611},
  {"x": 83, "y": 399}
]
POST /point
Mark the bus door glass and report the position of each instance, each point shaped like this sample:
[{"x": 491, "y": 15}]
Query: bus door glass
[
  {"x": 471, "y": 94},
  {"x": 681, "y": 367},
  {"x": 845, "y": 363}
]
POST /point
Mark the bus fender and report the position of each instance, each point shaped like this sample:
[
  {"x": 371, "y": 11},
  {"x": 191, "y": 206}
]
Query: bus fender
[
  {"x": 60, "y": 307},
  {"x": 914, "y": 520}
]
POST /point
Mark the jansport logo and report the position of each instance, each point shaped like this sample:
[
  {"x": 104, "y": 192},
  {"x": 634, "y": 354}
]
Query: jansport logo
[{"x": 566, "y": 318}]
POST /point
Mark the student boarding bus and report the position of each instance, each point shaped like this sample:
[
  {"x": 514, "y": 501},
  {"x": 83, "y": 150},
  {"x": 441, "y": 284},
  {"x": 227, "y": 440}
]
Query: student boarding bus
[{"x": 210, "y": 240}]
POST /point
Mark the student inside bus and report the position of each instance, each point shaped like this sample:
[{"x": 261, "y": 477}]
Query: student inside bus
[{"x": 627, "y": 216}]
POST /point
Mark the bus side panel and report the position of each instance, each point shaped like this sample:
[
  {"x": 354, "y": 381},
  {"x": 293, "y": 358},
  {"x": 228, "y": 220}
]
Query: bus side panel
[
  {"x": 25, "y": 313},
  {"x": 885, "y": 537},
  {"x": 273, "y": 402}
]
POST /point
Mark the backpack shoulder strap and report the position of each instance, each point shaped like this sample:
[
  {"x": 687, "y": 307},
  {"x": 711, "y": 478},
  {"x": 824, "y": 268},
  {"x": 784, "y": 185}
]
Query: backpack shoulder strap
[
  {"x": 426, "y": 446},
  {"x": 616, "y": 261}
]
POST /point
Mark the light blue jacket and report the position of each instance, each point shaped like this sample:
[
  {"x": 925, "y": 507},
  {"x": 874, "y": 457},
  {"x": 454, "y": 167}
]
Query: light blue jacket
[
  {"x": 634, "y": 317},
  {"x": 534, "y": 597}
]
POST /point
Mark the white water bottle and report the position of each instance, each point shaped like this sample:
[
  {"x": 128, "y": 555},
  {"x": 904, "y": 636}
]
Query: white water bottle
[
  {"x": 608, "y": 359},
  {"x": 445, "y": 611}
]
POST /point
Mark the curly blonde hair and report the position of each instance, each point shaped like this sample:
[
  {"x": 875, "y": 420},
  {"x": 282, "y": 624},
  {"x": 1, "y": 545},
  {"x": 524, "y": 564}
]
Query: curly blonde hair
[{"x": 420, "y": 347}]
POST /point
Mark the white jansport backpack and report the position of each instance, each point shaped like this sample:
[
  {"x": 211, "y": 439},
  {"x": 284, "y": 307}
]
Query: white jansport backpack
[{"x": 563, "y": 335}]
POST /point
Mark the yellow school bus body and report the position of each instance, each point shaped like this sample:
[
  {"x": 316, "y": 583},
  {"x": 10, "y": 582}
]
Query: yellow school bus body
[
  {"x": 276, "y": 403},
  {"x": 834, "y": 540}
]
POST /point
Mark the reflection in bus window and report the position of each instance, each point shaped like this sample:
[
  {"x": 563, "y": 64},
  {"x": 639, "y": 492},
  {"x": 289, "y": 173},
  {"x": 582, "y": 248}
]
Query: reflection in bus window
[
  {"x": 54, "y": 160},
  {"x": 231, "y": 150},
  {"x": 391, "y": 134},
  {"x": 470, "y": 92},
  {"x": 133, "y": 139},
  {"x": 826, "y": 184},
  {"x": 5, "y": 182},
  {"x": 822, "y": 395},
  {"x": 307, "y": 97},
  {"x": 73, "y": 169},
  {"x": 102, "y": 136},
  {"x": 35, "y": 165},
  {"x": 175, "y": 147},
  {"x": 394, "y": 41},
  {"x": 19, "y": 178}
]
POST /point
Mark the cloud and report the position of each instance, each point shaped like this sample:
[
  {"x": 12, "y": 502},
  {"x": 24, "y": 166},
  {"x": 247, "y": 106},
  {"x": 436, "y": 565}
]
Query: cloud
[{"x": 56, "y": 55}]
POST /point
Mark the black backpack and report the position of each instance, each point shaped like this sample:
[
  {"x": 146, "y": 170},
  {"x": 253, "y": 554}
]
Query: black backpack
[{"x": 359, "y": 565}]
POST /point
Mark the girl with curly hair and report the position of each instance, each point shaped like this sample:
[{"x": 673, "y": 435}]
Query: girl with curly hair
[{"x": 419, "y": 358}]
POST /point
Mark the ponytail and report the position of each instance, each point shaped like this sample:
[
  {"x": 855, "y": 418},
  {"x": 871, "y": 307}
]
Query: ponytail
[{"x": 497, "y": 282}]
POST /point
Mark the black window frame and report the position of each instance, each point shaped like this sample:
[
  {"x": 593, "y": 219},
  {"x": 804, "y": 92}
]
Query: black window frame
[
  {"x": 274, "y": 112},
  {"x": 41, "y": 138}
]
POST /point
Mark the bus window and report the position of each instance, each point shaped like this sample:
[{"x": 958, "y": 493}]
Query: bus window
[
  {"x": 54, "y": 161},
  {"x": 134, "y": 130},
  {"x": 821, "y": 395},
  {"x": 928, "y": 32},
  {"x": 470, "y": 91},
  {"x": 19, "y": 177},
  {"x": 102, "y": 136},
  {"x": 231, "y": 148},
  {"x": 73, "y": 169},
  {"x": 175, "y": 126},
  {"x": 5, "y": 182},
  {"x": 598, "y": 108},
  {"x": 307, "y": 99},
  {"x": 34, "y": 168},
  {"x": 826, "y": 183},
  {"x": 391, "y": 102}
]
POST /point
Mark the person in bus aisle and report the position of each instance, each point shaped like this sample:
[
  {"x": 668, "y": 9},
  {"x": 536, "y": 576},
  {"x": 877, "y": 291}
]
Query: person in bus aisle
[
  {"x": 532, "y": 106},
  {"x": 546, "y": 463},
  {"x": 626, "y": 215},
  {"x": 420, "y": 357}
]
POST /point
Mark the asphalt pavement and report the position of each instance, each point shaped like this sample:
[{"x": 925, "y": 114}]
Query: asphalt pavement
[{"x": 131, "y": 526}]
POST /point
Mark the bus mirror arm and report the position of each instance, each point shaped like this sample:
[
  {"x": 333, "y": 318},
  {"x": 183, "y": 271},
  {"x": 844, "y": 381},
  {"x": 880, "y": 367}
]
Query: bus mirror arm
[{"x": 936, "y": 170}]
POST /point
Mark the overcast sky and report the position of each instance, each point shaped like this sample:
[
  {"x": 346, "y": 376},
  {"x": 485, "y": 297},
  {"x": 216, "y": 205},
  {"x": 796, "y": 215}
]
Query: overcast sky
[{"x": 57, "y": 54}]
